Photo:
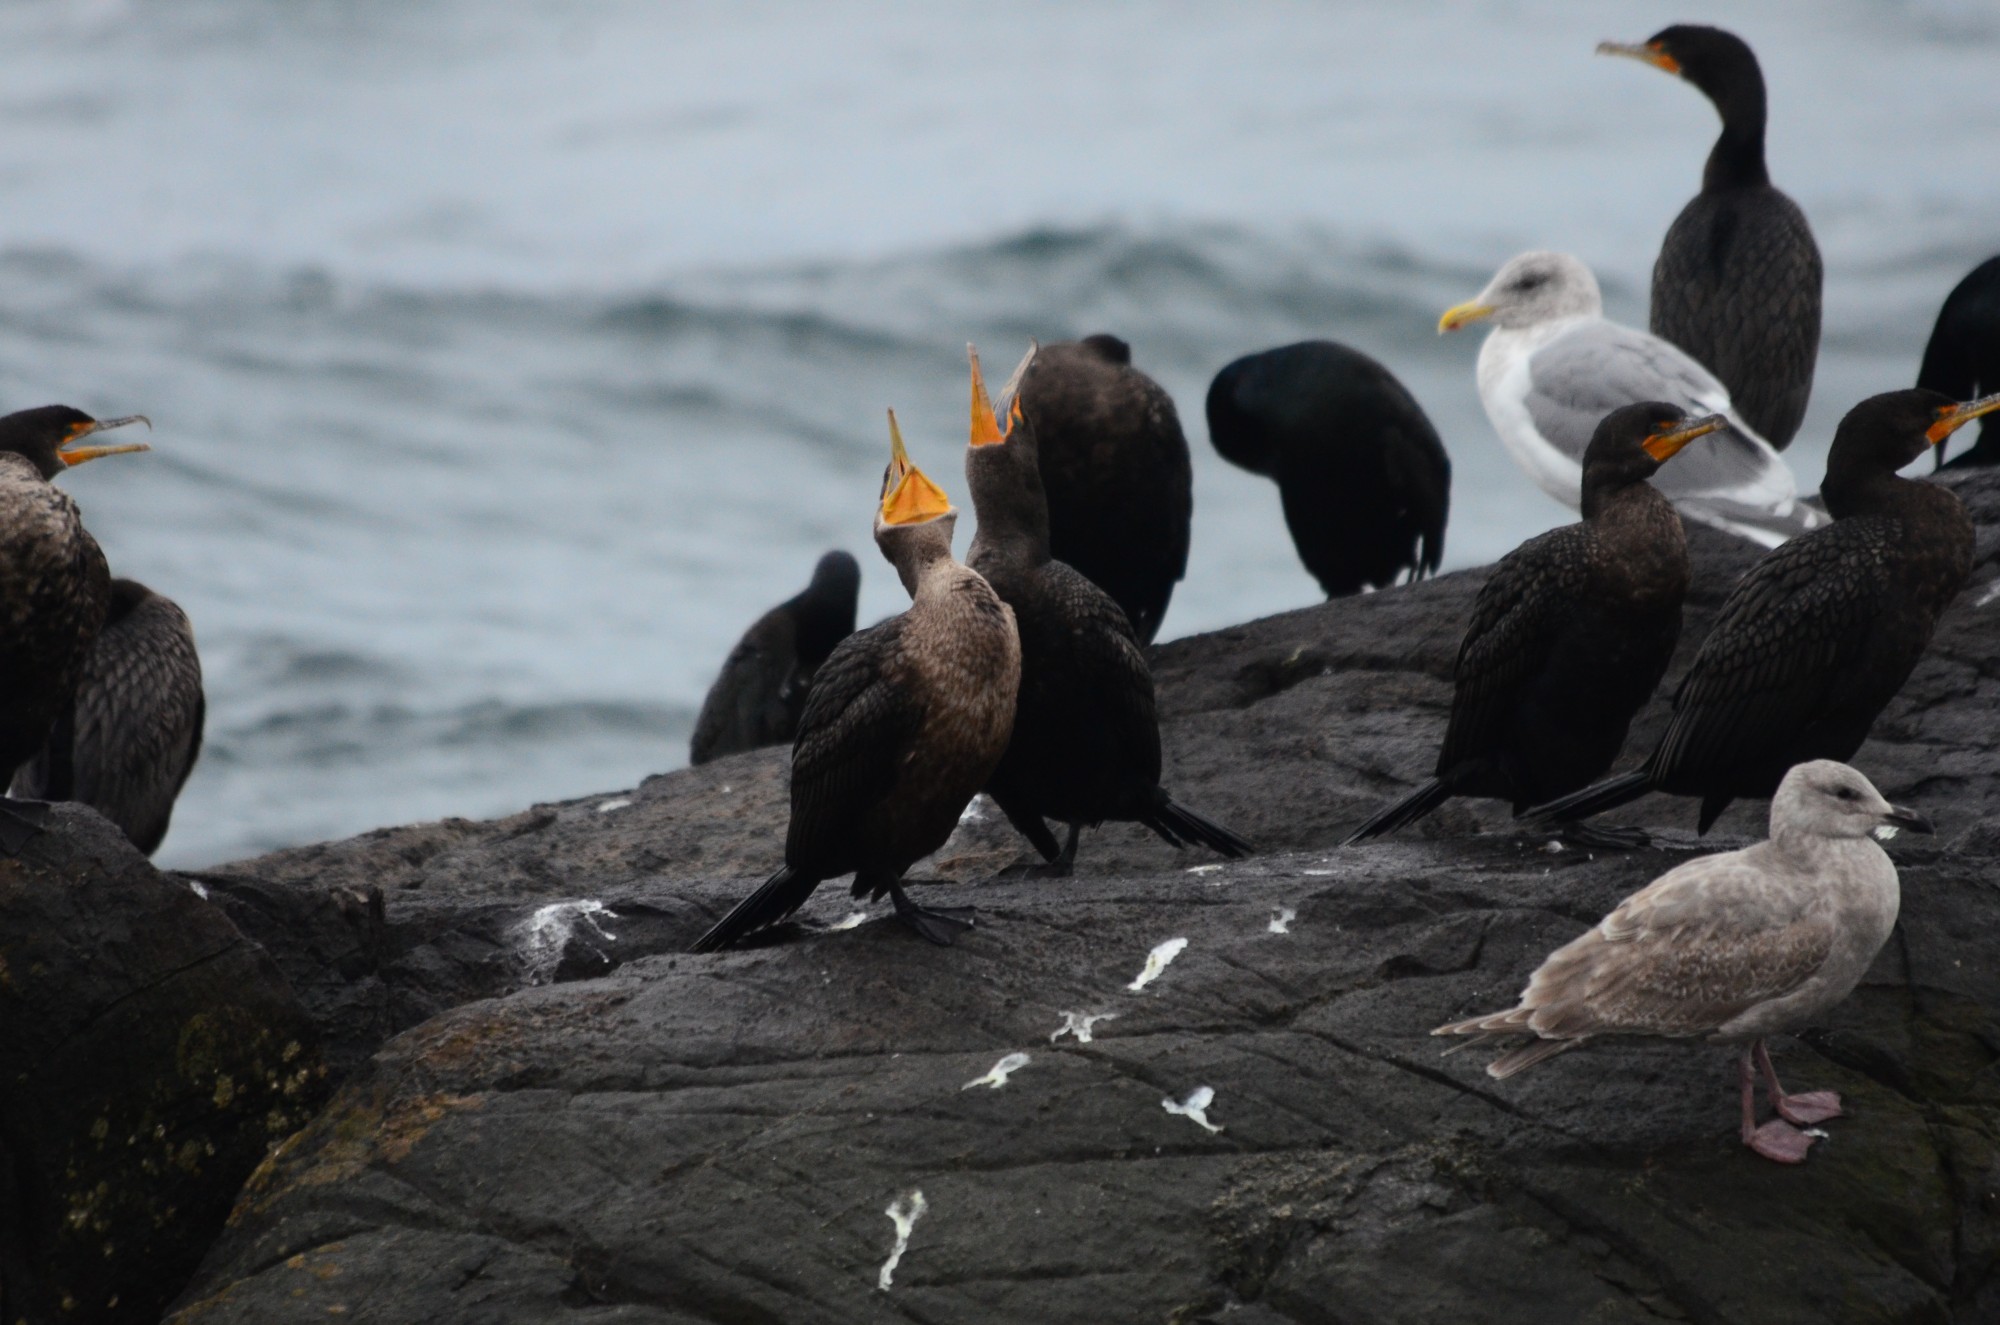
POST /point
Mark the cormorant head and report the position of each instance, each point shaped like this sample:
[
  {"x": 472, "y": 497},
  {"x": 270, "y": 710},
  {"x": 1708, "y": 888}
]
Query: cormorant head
[
  {"x": 1108, "y": 348},
  {"x": 1530, "y": 289},
  {"x": 48, "y": 437},
  {"x": 1825, "y": 798},
  {"x": 1886, "y": 432},
  {"x": 825, "y": 611},
  {"x": 1633, "y": 441},
  {"x": 914, "y": 523},
  {"x": 1720, "y": 63},
  {"x": 1003, "y": 467}
]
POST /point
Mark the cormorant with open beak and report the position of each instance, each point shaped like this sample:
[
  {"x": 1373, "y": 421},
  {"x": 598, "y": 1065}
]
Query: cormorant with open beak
[{"x": 904, "y": 723}]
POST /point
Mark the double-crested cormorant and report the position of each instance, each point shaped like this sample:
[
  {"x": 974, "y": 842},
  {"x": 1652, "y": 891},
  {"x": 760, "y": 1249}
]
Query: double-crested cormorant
[
  {"x": 54, "y": 587},
  {"x": 1553, "y": 366},
  {"x": 1963, "y": 356},
  {"x": 1116, "y": 468},
  {"x": 1734, "y": 947},
  {"x": 1570, "y": 633},
  {"x": 1737, "y": 283},
  {"x": 126, "y": 742},
  {"x": 757, "y": 699},
  {"x": 1086, "y": 741},
  {"x": 1365, "y": 481},
  {"x": 1819, "y": 636},
  {"x": 903, "y": 725}
]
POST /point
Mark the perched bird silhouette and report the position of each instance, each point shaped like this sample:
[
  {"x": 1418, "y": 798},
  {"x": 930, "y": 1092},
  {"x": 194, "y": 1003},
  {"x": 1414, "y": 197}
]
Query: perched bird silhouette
[
  {"x": 757, "y": 699},
  {"x": 1962, "y": 358},
  {"x": 1365, "y": 482},
  {"x": 1734, "y": 947}
]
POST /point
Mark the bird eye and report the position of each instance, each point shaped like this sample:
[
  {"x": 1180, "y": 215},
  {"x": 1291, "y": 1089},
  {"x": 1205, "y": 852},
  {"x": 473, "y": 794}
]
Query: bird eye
[
  {"x": 1847, "y": 794},
  {"x": 1530, "y": 282}
]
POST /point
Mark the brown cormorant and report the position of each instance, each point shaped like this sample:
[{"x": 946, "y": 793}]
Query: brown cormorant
[
  {"x": 1737, "y": 283},
  {"x": 1963, "y": 356},
  {"x": 127, "y": 740},
  {"x": 1086, "y": 742},
  {"x": 757, "y": 699},
  {"x": 903, "y": 724},
  {"x": 1817, "y": 638},
  {"x": 54, "y": 587},
  {"x": 1570, "y": 633},
  {"x": 1734, "y": 947},
  {"x": 1116, "y": 468},
  {"x": 1364, "y": 479}
]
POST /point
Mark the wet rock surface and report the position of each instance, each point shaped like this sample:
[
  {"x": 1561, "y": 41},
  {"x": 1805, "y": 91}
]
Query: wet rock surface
[
  {"x": 615, "y": 1131},
  {"x": 149, "y": 1056}
]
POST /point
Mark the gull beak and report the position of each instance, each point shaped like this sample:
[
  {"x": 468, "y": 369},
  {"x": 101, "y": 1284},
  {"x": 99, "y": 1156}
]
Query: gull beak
[
  {"x": 1951, "y": 419},
  {"x": 72, "y": 455},
  {"x": 1647, "y": 53},
  {"x": 1901, "y": 817},
  {"x": 1663, "y": 446},
  {"x": 1460, "y": 314},
  {"x": 908, "y": 495}
]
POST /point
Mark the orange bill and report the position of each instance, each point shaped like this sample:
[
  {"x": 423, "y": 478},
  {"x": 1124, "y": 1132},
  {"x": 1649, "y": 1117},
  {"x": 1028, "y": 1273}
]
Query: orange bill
[
  {"x": 1953, "y": 417},
  {"x": 908, "y": 495},
  {"x": 1667, "y": 442},
  {"x": 1647, "y": 52},
  {"x": 72, "y": 455},
  {"x": 985, "y": 424}
]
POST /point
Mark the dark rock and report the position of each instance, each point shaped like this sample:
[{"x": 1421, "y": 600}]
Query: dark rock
[
  {"x": 630, "y": 1134},
  {"x": 149, "y": 1057}
]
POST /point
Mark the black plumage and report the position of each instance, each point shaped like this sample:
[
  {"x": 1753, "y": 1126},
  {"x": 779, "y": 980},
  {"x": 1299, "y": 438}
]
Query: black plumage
[
  {"x": 1115, "y": 465},
  {"x": 1570, "y": 634},
  {"x": 127, "y": 740},
  {"x": 1817, "y": 638},
  {"x": 903, "y": 724},
  {"x": 1737, "y": 283},
  {"x": 758, "y": 697},
  {"x": 1086, "y": 740},
  {"x": 1962, "y": 358},
  {"x": 54, "y": 589},
  {"x": 1365, "y": 482}
]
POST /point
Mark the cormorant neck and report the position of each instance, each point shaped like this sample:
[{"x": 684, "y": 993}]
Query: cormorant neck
[
  {"x": 918, "y": 551},
  {"x": 1737, "y": 159},
  {"x": 1863, "y": 488},
  {"x": 1605, "y": 492},
  {"x": 1008, "y": 496}
]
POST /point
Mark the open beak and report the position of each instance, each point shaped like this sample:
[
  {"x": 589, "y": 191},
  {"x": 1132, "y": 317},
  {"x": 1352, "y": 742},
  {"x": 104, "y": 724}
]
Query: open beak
[
  {"x": 985, "y": 424},
  {"x": 1460, "y": 314},
  {"x": 1664, "y": 446},
  {"x": 1951, "y": 420},
  {"x": 73, "y": 455},
  {"x": 1900, "y": 817},
  {"x": 1652, "y": 55},
  {"x": 908, "y": 495}
]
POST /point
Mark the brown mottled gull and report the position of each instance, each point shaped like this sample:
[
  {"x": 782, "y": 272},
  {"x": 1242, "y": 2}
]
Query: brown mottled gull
[{"x": 1736, "y": 946}]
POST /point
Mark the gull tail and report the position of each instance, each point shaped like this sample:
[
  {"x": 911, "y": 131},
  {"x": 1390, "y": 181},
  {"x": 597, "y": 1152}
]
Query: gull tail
[
  {"x": 1606, "y": 795},
  {"x": 1179, "y": 826},
  {"x": 780, "y": 895},
  {"x": 1403, "y": 813}
]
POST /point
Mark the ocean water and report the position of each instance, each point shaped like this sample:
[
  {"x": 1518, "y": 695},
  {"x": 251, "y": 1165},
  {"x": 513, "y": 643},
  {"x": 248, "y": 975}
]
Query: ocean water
[{"x": 507, "y": 360}]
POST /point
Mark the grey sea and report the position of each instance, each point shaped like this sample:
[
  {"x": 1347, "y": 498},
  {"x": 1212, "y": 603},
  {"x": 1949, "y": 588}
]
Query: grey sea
[{"x": 507, "y": 359}]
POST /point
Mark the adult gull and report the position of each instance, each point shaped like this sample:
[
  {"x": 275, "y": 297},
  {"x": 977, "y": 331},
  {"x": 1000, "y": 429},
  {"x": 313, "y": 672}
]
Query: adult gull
[
  {"x": 1554, "y": 366},
  {"x": 1735, "y": 947}
]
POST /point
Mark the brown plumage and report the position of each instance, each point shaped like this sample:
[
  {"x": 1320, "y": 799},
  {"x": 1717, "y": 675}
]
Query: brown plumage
[
  {"x": 127, "y": 740},
  {"x": 54, "y": 588},
  {"x": 903, "y": 725},
  {"x": 1115, "y": 466},
  {"x": 1734, "y": 947}
]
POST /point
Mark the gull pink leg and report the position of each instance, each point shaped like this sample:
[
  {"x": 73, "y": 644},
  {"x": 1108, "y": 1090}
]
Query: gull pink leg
[
  {"x": 1776, "y": 1140},
  {"x": 1813, "y": 1106}
]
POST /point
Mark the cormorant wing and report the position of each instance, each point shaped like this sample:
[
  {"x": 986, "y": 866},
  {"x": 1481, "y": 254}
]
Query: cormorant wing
[
  {"x": 748, "y": 699},
  {"x": 1520, "y": 613},
  {"x": 857, "y": 728},
  {"x": 1793, "y": 636},
  {"x": 1596, "y": 366},
  {"x": 1104, "y": 663}
]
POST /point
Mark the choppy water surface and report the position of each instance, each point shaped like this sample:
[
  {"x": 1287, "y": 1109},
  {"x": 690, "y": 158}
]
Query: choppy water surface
[{"x": 507, "y": 361}]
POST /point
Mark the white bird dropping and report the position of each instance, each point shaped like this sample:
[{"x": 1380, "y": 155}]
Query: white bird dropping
[
  {"x": 854, "y": 918},
  {"x": 905, "y": 1211},
  {"x": 1282, "y": 918},
  {"x": 1195, "y": 1106},
  {"x": 1079, "y": 1024},
  {"x": 1003, "y": 1069},
  {"x": 1157, "y": 961}
]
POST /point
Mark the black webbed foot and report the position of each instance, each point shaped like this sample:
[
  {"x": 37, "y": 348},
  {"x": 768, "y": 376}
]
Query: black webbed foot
[{"x": 939, "y": 924}]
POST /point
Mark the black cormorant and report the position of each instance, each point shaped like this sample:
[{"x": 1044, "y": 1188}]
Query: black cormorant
[
  {"x": 1365, "y": 481},
  {"x": 1115, "y": 465},
  {"x": 126, "y": 742},
  {"x": 1086, "y": 741},
  {"x": 54, "y": 587},
  {"x": 1963, "y": 356},
  {"x": 1817, "y": 638},
  {"x": 1737, "y": 283},
  {"x": 757, "y": 699},
  {"x": 903, "y": 724},
  {"x": 1570, "y": 634}
]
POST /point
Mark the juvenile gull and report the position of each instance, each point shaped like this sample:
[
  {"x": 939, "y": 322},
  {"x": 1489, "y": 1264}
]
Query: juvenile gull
[
  {"x": 1554, "y": 366},
  {"x": 1736, "y": 947}
]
